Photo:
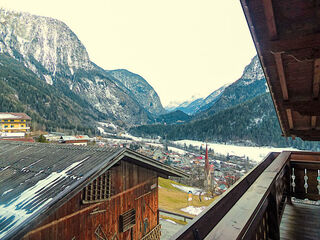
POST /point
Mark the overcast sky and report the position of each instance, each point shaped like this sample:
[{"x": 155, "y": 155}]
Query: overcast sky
[{"x": 183, "y": 48}]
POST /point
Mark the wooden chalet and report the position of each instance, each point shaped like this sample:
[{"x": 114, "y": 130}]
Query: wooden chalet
[
  {"x": 51, "y": 191},
  {"x": 280, "y": 198}
]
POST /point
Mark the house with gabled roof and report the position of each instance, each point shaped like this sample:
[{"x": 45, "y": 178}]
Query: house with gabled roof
[{"x": 52, "y": 191}]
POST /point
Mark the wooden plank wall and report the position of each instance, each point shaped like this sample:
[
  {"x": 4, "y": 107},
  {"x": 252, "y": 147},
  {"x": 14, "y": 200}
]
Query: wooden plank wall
[{"x": 131, "y": 188}]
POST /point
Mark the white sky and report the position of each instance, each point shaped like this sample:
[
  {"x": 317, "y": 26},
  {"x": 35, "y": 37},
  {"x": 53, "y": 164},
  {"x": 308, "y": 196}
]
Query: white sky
[{"x": 181, "y": 47}]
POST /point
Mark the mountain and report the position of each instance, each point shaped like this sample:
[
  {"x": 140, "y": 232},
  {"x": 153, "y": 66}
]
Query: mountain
[
  {"x": 243, "y": 113},
  {"x": 177, "y": 116},
  {"x": 58, "y": 58},
  {"x": 211, "y": 99},
  {"x": 141, "y": 90},
  {"x": 22, "y": 91},
  {"x": 189, "y": 107},
  {"x": 251, "y": 123},
  {"x": 251, "y": 84},
  {"x": 199, "y": 104}
]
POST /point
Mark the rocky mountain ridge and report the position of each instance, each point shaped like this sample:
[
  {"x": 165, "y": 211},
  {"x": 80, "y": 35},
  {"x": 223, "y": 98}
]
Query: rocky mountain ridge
[
  {"x": 140, "y": 89},
  {"x": 251, "y": 84},
  {"x": 54, "y": 53}
]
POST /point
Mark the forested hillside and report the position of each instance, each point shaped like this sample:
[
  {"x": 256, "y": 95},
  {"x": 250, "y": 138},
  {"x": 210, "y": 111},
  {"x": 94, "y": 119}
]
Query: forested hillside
[
  {"x": 22, "y": 91},
  {"x": 253, "y": 122}
]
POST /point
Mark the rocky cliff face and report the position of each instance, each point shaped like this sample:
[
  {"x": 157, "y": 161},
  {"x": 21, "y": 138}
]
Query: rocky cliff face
[
  {"x": 142, "y": 91},
  {"x": 42, "y": 40},
  {"x": 54, "y": 53}
]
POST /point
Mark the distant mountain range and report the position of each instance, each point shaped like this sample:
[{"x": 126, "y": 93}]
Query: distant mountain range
[
  {"x": 242, "y": 112},
  {"x": 200, "y": 104}
]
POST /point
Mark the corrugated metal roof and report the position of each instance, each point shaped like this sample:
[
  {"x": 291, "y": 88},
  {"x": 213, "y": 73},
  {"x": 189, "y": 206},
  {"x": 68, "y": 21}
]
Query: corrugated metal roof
[
  {"x": 34, "y": 176},
  {"x": 75, "y": 138}
]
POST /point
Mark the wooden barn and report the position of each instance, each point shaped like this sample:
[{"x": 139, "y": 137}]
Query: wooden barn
[{"x": 50, "y": 191}]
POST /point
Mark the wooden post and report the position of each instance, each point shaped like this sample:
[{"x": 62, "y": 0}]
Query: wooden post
[{"x": 273, "y": 219}]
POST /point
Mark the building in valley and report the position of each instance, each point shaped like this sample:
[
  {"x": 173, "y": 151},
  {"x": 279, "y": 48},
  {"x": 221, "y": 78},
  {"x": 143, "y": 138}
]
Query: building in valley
[
  {"x": 75, "y": 140},
  {"x": 14, "y": 124},
  {"x": 51, "y": 191}
]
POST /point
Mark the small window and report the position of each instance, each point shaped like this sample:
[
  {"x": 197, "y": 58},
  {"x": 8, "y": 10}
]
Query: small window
[
  {"x": 12, "y": 126},
  {"x": 127, "y": 220},
  {"x": 99, "y": 190},
  {"x": 22, "y": 125}
]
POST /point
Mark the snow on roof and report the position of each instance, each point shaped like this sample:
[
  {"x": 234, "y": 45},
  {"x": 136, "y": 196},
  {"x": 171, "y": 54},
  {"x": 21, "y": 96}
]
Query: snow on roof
[
  {"x": 6, "y": 115},
  {"x": 75, "y": 138},
  {"x": 22, "y": 207}
]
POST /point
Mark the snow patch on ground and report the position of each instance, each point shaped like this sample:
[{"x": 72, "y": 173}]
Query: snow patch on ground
[
  {"x": 48, "y": 79},
  {"x": 101, "y": 130},
  {"x": 110, "y": 125},
  {"x": 170, "y": 221},
  {"x": 195, "y": 191},
  {"x": 139, "y": 139},
  {"x": 193, "y": 210}
]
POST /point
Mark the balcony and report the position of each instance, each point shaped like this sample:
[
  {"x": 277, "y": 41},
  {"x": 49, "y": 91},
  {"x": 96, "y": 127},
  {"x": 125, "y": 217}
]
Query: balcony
[
  {"x": 265, "y": 204},
  {"x": 14, "y": 128}
]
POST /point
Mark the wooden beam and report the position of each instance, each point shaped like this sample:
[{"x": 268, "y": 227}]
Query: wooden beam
[
  {"x": 307, "y": 138},
  {"x": 316, "y": 78},
  {"x": 268, "y": 11},
  {"x": 290, "y": 120},
  {"x": 281, "y": 75},
  {"x": 313, "y": 122},
  {"x": 313, "y": 133},
  {"x": 304, "y": 107},
  {"x": 291, "y": 44}
]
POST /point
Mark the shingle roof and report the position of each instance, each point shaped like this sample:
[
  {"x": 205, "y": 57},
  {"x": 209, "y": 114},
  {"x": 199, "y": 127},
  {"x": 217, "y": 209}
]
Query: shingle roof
[
  {"x": 10, "y": 115},
  {"x": 34, "y": 177}
]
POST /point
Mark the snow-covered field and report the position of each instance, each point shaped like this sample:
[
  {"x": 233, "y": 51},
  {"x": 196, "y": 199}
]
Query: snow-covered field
[
  {"x": 195, "y": 191},
  {"x": 193, "y": 210},
  {"x": 253, "y": 153}
]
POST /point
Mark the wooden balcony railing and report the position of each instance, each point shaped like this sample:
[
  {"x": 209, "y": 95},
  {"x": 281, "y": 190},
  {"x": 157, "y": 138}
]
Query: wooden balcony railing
[
  {"x": 154, "y": 234},
  {"x": 253, "y": 207}
]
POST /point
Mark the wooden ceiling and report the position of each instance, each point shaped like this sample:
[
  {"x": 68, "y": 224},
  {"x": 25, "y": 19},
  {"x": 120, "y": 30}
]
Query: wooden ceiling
[{"x": 286, "y": 34}]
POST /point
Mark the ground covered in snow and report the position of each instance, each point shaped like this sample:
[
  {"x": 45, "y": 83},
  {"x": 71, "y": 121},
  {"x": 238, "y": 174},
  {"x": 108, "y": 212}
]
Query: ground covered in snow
[
  {"x": 193, "y": 190},
  {"x": 253, "y": 153},
  {"x": 193, "y": 210}
]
